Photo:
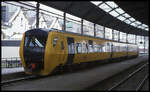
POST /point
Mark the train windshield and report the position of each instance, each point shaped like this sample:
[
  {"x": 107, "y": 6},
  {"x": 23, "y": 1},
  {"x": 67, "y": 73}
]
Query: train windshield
[
  {"x": 34, "y": 41},
  {"x": 35, "y": 38}
]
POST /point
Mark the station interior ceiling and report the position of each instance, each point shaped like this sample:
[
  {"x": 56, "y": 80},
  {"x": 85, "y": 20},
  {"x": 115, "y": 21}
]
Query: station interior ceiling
[
  {"x": 139, "y": 10},
  {"x": 90, "y": 12}
]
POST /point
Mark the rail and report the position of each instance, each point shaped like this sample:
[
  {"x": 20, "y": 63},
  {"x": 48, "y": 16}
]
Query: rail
[
  {"x": 12, "y": 62},
  {"x": 17, "y": 79},
  {"x": 129, "y": 76}
]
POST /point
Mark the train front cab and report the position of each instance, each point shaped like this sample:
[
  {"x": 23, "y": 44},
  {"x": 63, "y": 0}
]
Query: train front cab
[{"x": 32, "y": 50}]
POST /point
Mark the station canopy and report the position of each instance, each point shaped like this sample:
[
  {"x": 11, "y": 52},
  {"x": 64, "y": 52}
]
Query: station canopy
[{"x": 115, "y": 15}]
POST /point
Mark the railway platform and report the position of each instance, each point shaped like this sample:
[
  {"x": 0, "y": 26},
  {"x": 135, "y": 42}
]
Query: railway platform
[{"x": 77, "y": 80}]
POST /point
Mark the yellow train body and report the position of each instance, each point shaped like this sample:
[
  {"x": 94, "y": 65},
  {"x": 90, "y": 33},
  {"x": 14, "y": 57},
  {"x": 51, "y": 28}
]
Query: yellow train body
[{"x": 58, "y": 54}]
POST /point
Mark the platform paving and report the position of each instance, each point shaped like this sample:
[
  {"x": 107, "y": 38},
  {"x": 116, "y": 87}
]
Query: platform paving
[
  {"x": 78, "y": 80},
  {"x": 5, "y": 71}
]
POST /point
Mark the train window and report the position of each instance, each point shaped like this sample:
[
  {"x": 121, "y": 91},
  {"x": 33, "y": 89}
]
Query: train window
[
  {"x": 108, "y": 47},
  {"x": 100, "y": 49},
  {"x": 26, "y": 41},
  {"x": 62, "y": 45},
  {"x": 118, "y": 48},
  {"x": 38, "y": 43},
  {"x": 114, "y": 49},
  {"x": 90, "y": 46},
  {"x": 33, "y": 42},
  {"x": 84, "y": 48},
  {"x": 78, "y": 47},
  {"x": 96, "y": 48},
  {"x": 55, "y": 41},
  {"x": 103, "y": 48},
  {"x": 71, "y": 48}
]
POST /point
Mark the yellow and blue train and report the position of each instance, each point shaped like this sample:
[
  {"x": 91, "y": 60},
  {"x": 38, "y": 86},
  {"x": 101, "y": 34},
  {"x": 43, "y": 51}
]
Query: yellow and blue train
[{"x": 43, "y": 50}]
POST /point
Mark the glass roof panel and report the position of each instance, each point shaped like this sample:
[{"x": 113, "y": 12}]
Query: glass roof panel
[
  {"x": 147, "y": 29},
  {"x": 133, "y": 24},
  {"x": 144, "y": 25},
  {"x": 138, "y": 23},
  {"x": 139, "y": 26},
  {"x": 126, "y": 15},
  {"x": 96, "y": 2},
  {"x": 132, "y": 19},
  {"x": 114, "y": 13},
  {"x": 105, "y": 7},
  {"x": 112, "y": 4},
  {"x": 109, "y": 5},
  {"x": 127, "y": 21},
  {"x": 120, "y": 10},
  {"x": 121, "y": 18}
]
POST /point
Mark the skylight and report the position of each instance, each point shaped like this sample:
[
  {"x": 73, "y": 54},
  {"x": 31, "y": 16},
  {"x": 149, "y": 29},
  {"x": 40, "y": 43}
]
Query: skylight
[
  {"x": 112, "y": 4},
  {"x": 119, "y": 10},
  {"x": 121, "y": 18},
  {"x": 132, "y": 19},
  {"x": 133, "y": 24},
  {"x": 127, "y": 21},
  {"x": 145, "y": 25},
  {"x": 113, "y": 9},
  {"x": 105, "y": 7},
  {"x": 114, "y": 13},
  {"x": 146, "y": 29},
  {"x": 126, "y": 15},
  {"x": 96, "y": 2},
  {"x": 138, "y": 23}
]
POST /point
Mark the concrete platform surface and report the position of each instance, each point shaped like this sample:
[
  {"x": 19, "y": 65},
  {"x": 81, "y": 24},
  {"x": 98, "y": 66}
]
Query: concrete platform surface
[
  {"x": 5, "y": 71},
  {"x": 78, "y": 80}
]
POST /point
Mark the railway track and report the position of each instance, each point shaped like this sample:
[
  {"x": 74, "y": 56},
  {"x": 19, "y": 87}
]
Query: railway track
[
  {"x": 137, "y": 73},
  {"x": 126, "y": 79},
  {"x": 7, "y": 82},
  {"x": 13, "y": 81}
]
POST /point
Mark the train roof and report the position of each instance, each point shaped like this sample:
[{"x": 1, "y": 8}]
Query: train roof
[{"x": 46, "y": 31}]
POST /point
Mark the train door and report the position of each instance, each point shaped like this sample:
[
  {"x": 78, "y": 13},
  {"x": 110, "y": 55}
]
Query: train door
[
  {"x": 62, "y": 51},
  {"x": 71, "y": 50}
]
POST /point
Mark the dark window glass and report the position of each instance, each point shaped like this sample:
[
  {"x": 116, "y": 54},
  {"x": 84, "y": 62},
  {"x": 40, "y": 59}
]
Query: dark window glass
[
  {"x": 84, "y": 48},
  {"x": 34, "y": 42},
  {"x": 71, "y": 48},
  {"x": 90, "y": 46},
  {"x": 96, "y": 48},
  {"x": 79, "y": 47},
  {"x": 103, "y": 48},
  {"x": 55, "y": 41}
]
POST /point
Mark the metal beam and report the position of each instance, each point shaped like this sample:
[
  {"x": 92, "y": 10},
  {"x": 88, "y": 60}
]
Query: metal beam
[
  {"x": 104, "y": 32},
  {"x": 112, "y": 8},
  {"x": 94, "y": 30},
  {"x": 135, "y": 39},
  {"x": 144, "y": 44},
  {"x": 64, "y": 27},
  {"x": 112, "y": 34},
  {"x": 127, "y": 19},
  {"x": 126, "y": 37},
  {"x": 81, "y": 26},
  {"x": 37, "y": 14},
  {"x": 120, "y": 15},
  {"x": 118, "y": 36}
]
